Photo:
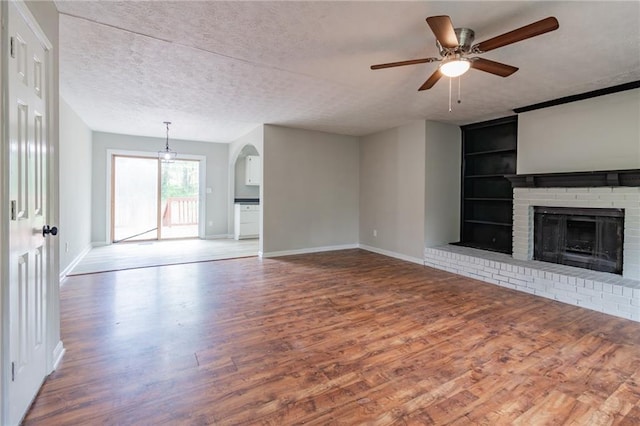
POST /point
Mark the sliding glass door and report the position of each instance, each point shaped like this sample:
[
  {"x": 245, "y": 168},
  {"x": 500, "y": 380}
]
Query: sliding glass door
[
  {"x": 179, "y": 199},
  {"x": 154, "y": 200},
  {"x": 134, "y": 207}
]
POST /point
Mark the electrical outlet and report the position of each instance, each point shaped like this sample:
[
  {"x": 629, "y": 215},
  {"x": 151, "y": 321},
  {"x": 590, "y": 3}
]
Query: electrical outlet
[
  {"x": 375, "y": 232},
  {"x": 210, "y": 223}
]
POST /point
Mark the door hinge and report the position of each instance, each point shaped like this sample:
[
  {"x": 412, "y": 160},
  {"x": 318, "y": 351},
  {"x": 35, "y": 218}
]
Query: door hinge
[
  {"x": 13, "y": 47},
  {"x": 13, "y": 371},
  {"x": 13, "y": 210}
]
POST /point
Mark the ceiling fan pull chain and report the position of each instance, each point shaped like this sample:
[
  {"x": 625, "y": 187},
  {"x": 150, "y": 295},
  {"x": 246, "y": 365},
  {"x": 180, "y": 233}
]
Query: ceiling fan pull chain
[
  {"x": 450, "y": 93},
  {"x": 459, "y": 97}
]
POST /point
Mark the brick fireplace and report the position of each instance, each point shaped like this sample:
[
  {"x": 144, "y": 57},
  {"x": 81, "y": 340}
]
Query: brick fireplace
[
  {"x": 626, "y": 198},
  {"x": 611, "y": 293}
]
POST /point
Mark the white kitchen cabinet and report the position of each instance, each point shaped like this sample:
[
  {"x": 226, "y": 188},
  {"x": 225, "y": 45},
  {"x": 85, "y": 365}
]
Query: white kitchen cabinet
[
  {"x": 252, "y": 170},
  {"x": 247, "y": 221}
]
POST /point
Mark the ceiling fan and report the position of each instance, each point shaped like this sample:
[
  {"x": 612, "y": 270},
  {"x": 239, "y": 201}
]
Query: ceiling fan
[{"x": 455, "y": 44}]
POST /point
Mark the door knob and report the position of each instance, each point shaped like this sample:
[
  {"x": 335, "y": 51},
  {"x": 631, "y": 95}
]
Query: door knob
[{"x": 49, "y": 230}]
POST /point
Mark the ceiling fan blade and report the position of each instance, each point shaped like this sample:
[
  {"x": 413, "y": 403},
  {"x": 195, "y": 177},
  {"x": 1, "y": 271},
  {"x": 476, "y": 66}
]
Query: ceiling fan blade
[
  {"x": 402, "y": 63},
  {"x": 433, "y": 79},
  {"x": 443, "y": 30},
  {"x": 493, "y": 67},
  {"x": 523, "y": 33}
]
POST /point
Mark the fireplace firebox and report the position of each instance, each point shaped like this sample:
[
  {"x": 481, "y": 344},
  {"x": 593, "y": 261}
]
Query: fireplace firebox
[{"x": 588, "y": 238}]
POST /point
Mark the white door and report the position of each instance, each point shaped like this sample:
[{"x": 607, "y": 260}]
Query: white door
[{"x": 28, "y": 251}]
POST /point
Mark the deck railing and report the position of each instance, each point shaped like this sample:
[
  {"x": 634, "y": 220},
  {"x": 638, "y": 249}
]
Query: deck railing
[{"x": 180, "y": 211}]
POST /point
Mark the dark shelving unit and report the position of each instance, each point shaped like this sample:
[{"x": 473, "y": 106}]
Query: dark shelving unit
[{"x": 488, "y": 154}]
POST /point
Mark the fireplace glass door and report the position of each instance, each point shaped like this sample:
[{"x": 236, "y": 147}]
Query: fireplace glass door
[{"x": 586, "y": 238}]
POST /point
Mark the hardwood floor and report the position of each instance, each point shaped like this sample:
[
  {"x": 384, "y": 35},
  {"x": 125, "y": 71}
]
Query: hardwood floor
[{"x": 338, "y": 338}]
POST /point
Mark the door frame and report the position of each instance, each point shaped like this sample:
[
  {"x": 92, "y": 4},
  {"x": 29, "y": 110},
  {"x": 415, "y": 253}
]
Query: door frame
[
  {"x": 53, "y": 345},
  {"x": 202, "y": 179}
]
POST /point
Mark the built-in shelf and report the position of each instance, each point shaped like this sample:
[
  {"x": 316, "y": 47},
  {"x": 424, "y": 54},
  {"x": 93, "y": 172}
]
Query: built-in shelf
[
  {"x": 488, "y": 154},
  {"x": 488, "y": 199},
  {"x": 493, "y": 175},
  {"x": 491, "y": 151},
  {"x": 487, "y": 222}
]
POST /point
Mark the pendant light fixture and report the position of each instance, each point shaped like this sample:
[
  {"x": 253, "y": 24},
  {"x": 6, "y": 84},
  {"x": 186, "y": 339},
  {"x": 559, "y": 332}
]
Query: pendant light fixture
[{"x": 167, "y": 156}]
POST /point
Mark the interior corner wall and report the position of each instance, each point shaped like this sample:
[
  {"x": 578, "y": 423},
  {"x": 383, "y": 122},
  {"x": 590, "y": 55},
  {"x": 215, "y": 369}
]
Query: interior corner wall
[
  {"x": 601, "y": 133},
  {"x": 217, "y": 177},
  {"x": 310, "y": 190},
  {"x": 392, "y": 190},
  {"x": 75, "y": 186},
  {"x": 442, "y": 183}
]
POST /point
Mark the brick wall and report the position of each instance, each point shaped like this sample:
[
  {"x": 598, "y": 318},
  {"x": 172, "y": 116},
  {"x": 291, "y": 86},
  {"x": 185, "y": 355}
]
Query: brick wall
[
  {"x": 599, "y": 291},
  {"x": 627, "y": 198}
]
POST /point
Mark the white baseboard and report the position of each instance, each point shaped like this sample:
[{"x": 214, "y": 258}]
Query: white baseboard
[
  {"x": 308, "y": 250},
  {"x": 392, "y": 254},
  {"x": 75, "y": 261},
  {"x": 58, "y": 353},
  {"x": 100, "y": 244}
]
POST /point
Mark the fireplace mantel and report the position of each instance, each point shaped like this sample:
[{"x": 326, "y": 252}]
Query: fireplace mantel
[{"x": 577, "y": 179}]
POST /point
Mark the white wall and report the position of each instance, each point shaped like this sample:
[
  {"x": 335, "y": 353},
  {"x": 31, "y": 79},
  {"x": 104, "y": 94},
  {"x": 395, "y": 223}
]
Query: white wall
[
  {"x": 217, "y": 177},
  {"x": 601, "y": 133},
  {"x": 392, "y": 190},
  {"x": 442, "y": 184},
  {"x": 75, "y": 187},
  {"x": 310, "y": 190}
]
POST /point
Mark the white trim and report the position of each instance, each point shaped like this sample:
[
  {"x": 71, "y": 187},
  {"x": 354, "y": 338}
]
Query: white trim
[
  {"x": 307, "y": 250},
  {"x": 202, "y": 182},
  {"x": 392, "y": 254},
  {"x": 58, "y": 353},
  {"x": 344, "y": 247},
  {"x": 4, "y": 201},
  {"x": 33, "y": 24},
  {"x": 75, "y": 261}
]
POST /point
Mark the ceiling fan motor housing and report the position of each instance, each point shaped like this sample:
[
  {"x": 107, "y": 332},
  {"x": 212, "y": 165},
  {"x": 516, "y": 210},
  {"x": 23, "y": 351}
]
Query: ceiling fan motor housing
[{"x": 465, "y": 40}]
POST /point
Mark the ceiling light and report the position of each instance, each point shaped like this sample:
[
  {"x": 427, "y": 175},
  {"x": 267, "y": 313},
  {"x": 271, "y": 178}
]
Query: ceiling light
[
  {"x": 167, "y": 156},
  {"x": 454, "y": 66}
]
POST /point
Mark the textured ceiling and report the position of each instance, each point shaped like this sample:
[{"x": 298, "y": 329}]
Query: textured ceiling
[{"x": 219, "y": 69}]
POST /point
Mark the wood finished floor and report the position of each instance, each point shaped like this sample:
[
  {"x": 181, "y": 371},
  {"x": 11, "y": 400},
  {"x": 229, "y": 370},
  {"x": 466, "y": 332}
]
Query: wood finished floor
[{"x": 340, "y": 338}]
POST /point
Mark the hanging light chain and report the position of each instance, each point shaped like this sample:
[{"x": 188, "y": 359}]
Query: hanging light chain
[
  {"x": 167, "y": 144},
  {"x": 450, "y": 78},
  {"x": 167, "y": 155},
  {"x": 459, "y": 91}
]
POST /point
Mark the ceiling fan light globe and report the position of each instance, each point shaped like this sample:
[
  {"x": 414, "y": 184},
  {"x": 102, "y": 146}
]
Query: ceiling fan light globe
[{"x": 455, "y": 67}]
